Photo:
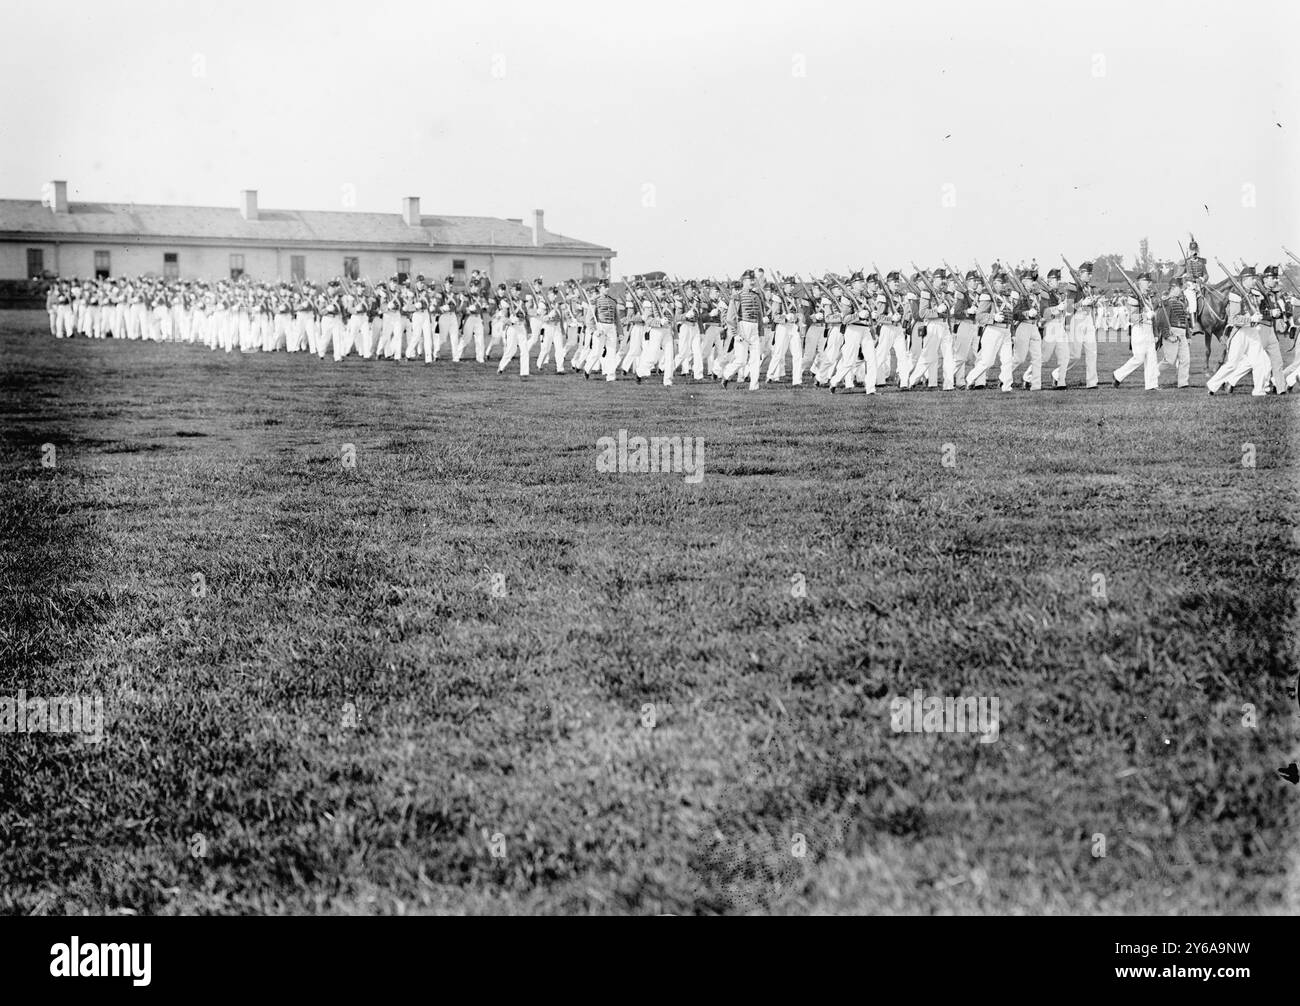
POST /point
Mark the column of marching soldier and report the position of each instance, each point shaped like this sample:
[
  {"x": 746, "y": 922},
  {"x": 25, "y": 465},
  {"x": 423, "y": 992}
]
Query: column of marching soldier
[{"x": 929, "y": 329}]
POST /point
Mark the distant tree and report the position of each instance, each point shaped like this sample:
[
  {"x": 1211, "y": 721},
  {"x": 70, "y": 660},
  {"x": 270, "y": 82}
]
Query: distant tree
[{"x": 1112, "y": 262}]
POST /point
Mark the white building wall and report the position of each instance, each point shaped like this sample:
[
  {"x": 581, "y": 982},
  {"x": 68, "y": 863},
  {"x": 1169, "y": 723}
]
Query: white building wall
[{"x": 212, "y": 263}]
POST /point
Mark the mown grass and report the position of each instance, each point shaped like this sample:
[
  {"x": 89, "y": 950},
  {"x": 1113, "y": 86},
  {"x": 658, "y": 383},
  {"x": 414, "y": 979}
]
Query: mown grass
[{"x": 631, "y": 600}]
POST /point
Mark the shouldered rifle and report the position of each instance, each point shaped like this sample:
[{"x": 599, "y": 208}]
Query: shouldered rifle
[
  {"x": 780, "y": 294},
  {"x": 1142, "y": 299},
  {"x": 884, "y": 285},
  {"x": 848, "y": 294},
  {"x": 995, "y": 299},
  {"x": 1246, "y": 302},
  {"x": 935, "y": 295}
]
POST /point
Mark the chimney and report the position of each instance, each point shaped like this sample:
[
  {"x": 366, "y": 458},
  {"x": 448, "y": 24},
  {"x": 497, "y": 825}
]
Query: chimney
[
  {"x": 411, "y": 211},
  {"x": 248, "y": 204},
  {"x": 59, "y": 202},
  {"x": 539, "y": 230}
]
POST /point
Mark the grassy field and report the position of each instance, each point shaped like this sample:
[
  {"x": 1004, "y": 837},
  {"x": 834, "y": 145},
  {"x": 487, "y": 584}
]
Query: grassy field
[{"x": 473, "y": 674}]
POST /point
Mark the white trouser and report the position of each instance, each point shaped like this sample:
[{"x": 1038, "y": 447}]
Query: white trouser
[
  {"x": 707, "y": 352},
  {"x": 473, "y": 330},
  {"x": 305, "y": 331},
  {"x": 449, "y": 327},
  {"x": 1238, "y": 347},
  {"x": 497, "y": 337},
  {"x": 891, "y": 337},
  {"x": 552, "y": 343},
  {"x": 825, "y": 368},
  {"x": 933, "y": 347},
  {"x": 604, "y": 350},
  {"x": 331, "y": 336},
  {"x": 789, "y": 339},
  {"x": 689, "y": 339},
  {"x": 390, "y": 338},
  {"x": 964, "y": 344},
  {"x": 1177, "y": 353},
  {"x": 359, "y": 333},
  {"x": 995, "y": 344},
  {"x": 421, "y": 335},
  {"x": 746, "y": 354},
  {"x": 1144, "y": 356},
  {"x": 64, "y": 319},
  {"x": 857, "y": 347},
  {"x": 518, "y": 340},
  {"x": 1268, "y": 362},
  {"x": 635, "y": 339},
  {"x": 1055, "y": 343},
  {"x": 657, "y": 351},
  {"x": 1083, "y": 342},
  {"x": 1027, "y": 343}
]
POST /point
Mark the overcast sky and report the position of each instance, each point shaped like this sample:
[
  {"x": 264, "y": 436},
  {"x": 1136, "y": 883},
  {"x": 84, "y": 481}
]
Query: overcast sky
[{"x": 696, "y": 137}]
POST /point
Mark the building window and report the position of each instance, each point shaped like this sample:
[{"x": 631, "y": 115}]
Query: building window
[
  {"x": 589, "y": 270},
  {"x": 352, "y": 267},
  {"x": 171, "y": 265},
  {"x": 458, "y": 270},
  {"x": 236, "y": 266},
  {"x": 298, "y": 268},
  {"x": 101, "y": 265},
  {"x": 404, "y": 266},
  {"x": 35, "y": 263}
]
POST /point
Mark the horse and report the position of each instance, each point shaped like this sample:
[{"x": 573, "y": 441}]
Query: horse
[{"x": 1212, "y": 319}]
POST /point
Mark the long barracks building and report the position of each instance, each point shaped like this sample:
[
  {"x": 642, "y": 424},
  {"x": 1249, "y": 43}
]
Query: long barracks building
[{"x": 55, "y": 236}]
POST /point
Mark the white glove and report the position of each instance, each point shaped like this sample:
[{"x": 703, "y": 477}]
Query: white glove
[{"x": 998, "y": 316}]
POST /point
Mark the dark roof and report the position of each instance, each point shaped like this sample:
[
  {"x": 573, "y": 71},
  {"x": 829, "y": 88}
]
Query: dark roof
[{"x": 218, "y": 223}]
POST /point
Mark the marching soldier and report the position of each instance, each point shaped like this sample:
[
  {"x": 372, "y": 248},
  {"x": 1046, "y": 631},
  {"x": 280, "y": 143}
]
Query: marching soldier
[
  {"x": 791, "y": 324},
  {"x": 1027, "y": 342},
  {"x": 515, "y": 314},
  {"x": 994, "y": 317},
  {"x": 1273, "y": 323},
  {"x": 1052, "y": 317},
  {"x": 1177, "y": 351},
  {"x": 1081, "y": 314},
  {"x": 859, "y": 316},
  {"x": 1244, "y": 317},
  {"x": 893, "y": 328},
  {"x": 475, "y": 311},
  {"x": 604, "y": 347},
  {"x": 746, "y": 313},
  {"x": 449, "y": 321},
  {"x": 1142, "y": 315},
  {"x": 965, "y": 340}
]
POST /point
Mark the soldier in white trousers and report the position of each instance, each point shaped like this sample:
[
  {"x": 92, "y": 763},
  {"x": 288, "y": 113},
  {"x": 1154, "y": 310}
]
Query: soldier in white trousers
[
  {"x": 858, "y": 346},
  {"x": 1267, "y": 363},
  {"x": 1081, "y": 315},
  {"x": 995, "y": 340},
  {"x": 1027, "y": 340},
  {"x": 518, "y": 334},
  {"x": 1142, "y": 319},
  {"x": 745, "y": 314}
]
